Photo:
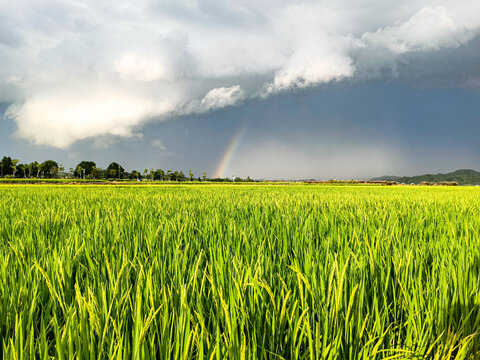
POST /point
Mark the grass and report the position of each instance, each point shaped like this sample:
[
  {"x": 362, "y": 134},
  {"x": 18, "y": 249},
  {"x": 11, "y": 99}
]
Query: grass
[{"x": 239, "y": 272}]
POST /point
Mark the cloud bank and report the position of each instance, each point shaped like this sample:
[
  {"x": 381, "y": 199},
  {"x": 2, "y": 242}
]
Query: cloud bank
[{"x": 83, "y": 69}]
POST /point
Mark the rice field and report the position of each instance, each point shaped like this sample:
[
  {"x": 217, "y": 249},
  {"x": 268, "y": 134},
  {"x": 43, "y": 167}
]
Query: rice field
[{"x": 239, "y": 272}]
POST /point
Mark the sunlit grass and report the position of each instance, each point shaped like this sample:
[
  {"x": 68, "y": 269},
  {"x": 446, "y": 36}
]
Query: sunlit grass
[{"x": 311, "y": 272}]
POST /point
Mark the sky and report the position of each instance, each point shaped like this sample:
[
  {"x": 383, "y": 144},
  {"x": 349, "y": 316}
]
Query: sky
[{"x": 266, "y": 89}]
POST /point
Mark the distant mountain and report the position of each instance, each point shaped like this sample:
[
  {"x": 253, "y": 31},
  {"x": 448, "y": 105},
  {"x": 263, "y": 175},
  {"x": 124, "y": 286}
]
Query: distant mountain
[
  {"x": 386, "y": 178},
  {"x": 463, "y": 177}
]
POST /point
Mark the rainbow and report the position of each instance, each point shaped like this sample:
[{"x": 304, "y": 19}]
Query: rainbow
[{"x": 229, "y": 154}]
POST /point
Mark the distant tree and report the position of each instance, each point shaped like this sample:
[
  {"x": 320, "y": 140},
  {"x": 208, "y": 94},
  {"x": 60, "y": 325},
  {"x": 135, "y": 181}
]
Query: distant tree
[
  {"x": 14, "y": 166},
  {"x": 114, "y": 170},
  {"x": 152, "y": 174},
  {"x": 190, "y": 175},
  {"x": 159, "y": 174},
  {"x": 79, "y": 171},
  {"x": 49, "y": 168},
  {"x": 7, "y": 166},
  {"x": 181, "y": 176},
  {"x": 134, "y": 175},
  {"x": 168, "y": 175},
  {"x": 39, "y": 170},
  {"x": 54, "y": 171},
  {"x": 204, "y": 175},
  {"x": 22, "y": 170},
  {"x": 97, "y": 173},
  {"x": 32, "y": 168},
  {"x": 88, "y": 166}
]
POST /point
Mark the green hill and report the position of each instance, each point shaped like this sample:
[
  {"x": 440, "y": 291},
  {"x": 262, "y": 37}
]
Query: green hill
[{"x": 463, "y": 177}]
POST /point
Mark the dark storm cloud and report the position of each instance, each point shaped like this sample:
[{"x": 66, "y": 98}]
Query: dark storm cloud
[{"x": 79, "y": 70}]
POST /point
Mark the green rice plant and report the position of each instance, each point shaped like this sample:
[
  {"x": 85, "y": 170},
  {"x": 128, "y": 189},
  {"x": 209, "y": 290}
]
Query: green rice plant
[{"x": 239, "y": 272}]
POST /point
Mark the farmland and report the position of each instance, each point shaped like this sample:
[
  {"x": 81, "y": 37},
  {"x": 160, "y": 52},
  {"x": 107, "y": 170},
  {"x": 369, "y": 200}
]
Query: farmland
[{"x": 239, "y": 271}]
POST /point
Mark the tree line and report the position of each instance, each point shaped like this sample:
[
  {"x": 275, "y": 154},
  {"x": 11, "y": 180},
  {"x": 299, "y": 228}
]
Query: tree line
[
  {"x": 88, "y": 170},
  {"x": 13, "y": 168}
]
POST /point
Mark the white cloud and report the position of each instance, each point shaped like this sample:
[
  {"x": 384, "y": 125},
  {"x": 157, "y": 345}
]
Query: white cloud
[
  {"x": 61, "y": 119},
  {"x": 134, "y": 67},
  {"x": 307, "y": 67},
  {"x": 429, "y": 29},
  {"x": 126, "y": 62},
  {"x": 221, "y": 97},
  {"x": 216, "y": 98}
]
